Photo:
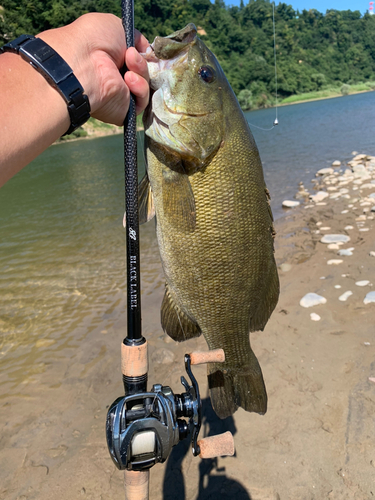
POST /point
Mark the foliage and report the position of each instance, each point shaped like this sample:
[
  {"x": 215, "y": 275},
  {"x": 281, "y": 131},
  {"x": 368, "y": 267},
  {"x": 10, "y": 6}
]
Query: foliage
[
  {"x": 345, "y": 89},
  {"x": 245, "y": 99},
  {"x": 315, "y": 51}
]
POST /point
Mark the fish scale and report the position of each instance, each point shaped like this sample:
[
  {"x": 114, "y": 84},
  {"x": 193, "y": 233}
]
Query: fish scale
[{"x": 214, "y": 223}]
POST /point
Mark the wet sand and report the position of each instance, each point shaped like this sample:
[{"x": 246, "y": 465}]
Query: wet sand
[{"x": 316, "y": 440}]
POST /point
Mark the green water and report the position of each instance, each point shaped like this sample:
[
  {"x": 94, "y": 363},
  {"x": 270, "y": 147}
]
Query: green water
[{"x": 62, "y": 251}]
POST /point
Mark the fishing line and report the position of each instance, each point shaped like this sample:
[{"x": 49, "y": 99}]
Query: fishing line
[{"x": 276, "y": 121}]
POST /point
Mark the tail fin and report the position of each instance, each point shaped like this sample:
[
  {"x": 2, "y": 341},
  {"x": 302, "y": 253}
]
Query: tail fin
[{"x": 232, "y": 386}]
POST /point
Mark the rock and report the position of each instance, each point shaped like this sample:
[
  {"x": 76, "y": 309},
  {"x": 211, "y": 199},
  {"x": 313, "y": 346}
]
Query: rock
[
  {"x": 334, "y": 262},
  {"x": 360, "y": 171},
  {"x": 372, "y": 195},
  {"x": 311, "y": 300},
  {"x": 325, "y": 171},
  {"x": 359, "y": 157},
  {"x": 344, "y": 297},
  {"x": 290, "y": 203},
  {"x": 336, "y": 163},
  {"x": 302, "y": 194},
  {"x": 346, "y": 251},
  {"x": 362, "y": 283},
  {"x": 333, "y": 246},
  {"x": 354, "y": 153},
  {"x": 162, "y": 356},
  {"x": 370, "y": 297},
  {"x": 315, "y": 317},
  {"x": 319, "y": 196},
  {"x": 325, "y": 228},
  {"x": 335, "y": 238},
  {"x": 285, "y": 267},
  {"x": 348, "y": 228},
  {"x": 372, "y": 254},
  {"x": 368, "y": 185},
  {"x": 334, "y": 196}
]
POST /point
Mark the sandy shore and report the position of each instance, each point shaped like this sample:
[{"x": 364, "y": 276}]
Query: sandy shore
[{"x": 316, "y": 440}]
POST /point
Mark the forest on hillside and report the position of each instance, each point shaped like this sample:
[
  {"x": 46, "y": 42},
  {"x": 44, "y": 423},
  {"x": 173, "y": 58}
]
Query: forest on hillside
[{"x": 314, "y": 50}]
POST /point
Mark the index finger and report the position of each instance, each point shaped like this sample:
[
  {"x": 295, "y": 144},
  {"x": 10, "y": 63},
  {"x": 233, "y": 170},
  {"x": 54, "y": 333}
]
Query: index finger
[{"x": 141, "y": 42}]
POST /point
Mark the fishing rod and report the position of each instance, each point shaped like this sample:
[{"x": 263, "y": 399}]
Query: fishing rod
[{"x": 143, "y": 426}]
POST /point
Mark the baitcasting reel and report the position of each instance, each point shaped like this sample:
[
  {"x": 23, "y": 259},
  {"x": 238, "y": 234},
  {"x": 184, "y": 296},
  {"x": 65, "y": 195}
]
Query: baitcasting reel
[{"x": 142, "y": 428}]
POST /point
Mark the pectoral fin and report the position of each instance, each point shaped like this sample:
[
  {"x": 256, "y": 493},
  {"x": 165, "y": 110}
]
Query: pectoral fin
[
  {"x": 175, "y": 322},
  {"x": 146, "y": 201},
  {"x": 178, "y": 200}
]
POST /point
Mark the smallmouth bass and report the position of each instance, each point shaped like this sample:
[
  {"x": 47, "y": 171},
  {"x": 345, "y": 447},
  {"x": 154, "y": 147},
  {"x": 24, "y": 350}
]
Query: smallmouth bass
[{"x": 205, "y": 184}]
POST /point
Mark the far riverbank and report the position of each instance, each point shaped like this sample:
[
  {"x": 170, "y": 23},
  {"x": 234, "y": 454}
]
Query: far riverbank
[{"x": 94, "y": 128}]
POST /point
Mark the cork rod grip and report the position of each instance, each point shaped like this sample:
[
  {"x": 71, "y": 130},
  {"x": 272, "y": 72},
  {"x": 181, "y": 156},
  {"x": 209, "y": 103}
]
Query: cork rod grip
[
  {"x": 214, "y": 356},
  {"x": 134, "y": 360},
  {"x": 217, "y": 446},
  {"x": 136, "y": 484}
]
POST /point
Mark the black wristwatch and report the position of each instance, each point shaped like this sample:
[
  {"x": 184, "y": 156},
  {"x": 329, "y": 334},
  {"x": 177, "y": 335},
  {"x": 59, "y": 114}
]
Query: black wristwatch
[{"x": 57, "y": 72}]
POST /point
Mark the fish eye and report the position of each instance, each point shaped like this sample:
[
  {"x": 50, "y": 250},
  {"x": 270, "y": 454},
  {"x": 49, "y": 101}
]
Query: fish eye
[{"x": 207, "y": 74}]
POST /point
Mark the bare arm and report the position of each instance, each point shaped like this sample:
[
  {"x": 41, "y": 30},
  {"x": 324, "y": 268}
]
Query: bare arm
[{"x": 33, "y": 114}]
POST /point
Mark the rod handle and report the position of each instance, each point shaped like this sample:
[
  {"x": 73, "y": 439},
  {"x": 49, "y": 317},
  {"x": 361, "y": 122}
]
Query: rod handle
[
  {"x": 217, "y": 446},
  {"x": 134, "y": 360},
  {"x": 214, "y": 356},
  {"x": 136, "y": 484}
]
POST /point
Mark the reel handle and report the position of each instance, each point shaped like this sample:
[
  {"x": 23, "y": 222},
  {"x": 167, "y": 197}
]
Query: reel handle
[
  {"x": 200, "y": 357},
  {"x": 221, "y": 444},
  {"x": 217, "y": 446}
]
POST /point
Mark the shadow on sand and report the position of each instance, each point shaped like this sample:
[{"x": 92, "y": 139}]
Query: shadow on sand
[{"x": 213, "y": 482}]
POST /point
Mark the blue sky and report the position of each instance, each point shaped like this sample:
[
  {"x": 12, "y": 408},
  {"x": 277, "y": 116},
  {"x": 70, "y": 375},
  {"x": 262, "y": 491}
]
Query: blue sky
[{"x": 320, "y": 5}]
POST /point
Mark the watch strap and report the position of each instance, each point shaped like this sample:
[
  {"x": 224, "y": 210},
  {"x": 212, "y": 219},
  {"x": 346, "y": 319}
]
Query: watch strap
[{"x": 57, "y": 72}]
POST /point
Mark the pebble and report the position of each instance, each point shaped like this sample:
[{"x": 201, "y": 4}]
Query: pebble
[
  {"x": 334, "y": 196},
  {"x": 334, "y": 246},
  {"x": 372, "y": 253},
  {"x": 325, "y": 228},
  {"x": 344, "y": 211},
  {"x": 285, "y": 267},
  {"x": 335, "y": 238},
  {"x": 290, "y": 203},
  {"x": 345, "y": 251},
  {"x": 315, "y": 317},
  {"x": 334, "y": 262},
  {"x": 362, "y": 283},
  {"x": 337, "y": 286},
  {"x": 344, "y": 297},
  {"x": 347, "y": 228},
  {"x": 319, "y": 196},
  {"x": 370, "y": 297},
  {"x": 325, "y": 171},
  {"x": 44, "y": 342},
  {"x": 336, "y": 163},
  {"x": 364, "y": 229},
  {"x": 312, "y": 299}
]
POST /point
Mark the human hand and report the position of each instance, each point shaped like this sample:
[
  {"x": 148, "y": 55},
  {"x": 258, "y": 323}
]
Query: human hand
[{"x": 94, "y": 47}]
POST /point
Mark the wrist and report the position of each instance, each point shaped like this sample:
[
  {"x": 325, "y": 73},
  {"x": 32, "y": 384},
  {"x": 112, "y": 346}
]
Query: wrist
[{"x": 75, "y": 54}]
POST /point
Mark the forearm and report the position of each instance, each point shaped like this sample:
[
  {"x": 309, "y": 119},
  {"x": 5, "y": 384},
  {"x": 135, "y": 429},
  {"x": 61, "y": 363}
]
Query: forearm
[{"x": 33, "y": 114}]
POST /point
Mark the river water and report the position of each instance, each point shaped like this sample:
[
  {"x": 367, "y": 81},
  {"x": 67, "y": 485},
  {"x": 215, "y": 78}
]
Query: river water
[{"x": 62, "y": 254}]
